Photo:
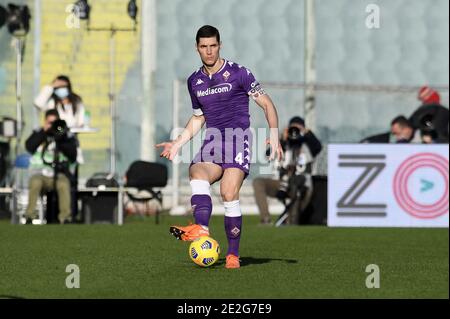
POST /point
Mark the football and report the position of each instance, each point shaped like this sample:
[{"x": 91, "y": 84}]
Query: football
[{"x": 204, "y": 251}]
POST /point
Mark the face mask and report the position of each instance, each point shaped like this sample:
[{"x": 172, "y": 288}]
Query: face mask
[{"x": 62, "y": 92}]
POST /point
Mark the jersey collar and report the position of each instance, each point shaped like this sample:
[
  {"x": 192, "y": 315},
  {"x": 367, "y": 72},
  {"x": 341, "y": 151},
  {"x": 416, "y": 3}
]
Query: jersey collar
[{"x": 218, "y": 72}]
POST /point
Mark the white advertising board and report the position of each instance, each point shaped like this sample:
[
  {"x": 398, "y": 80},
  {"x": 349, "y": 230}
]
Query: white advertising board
[{"x": 388, "y": 185}]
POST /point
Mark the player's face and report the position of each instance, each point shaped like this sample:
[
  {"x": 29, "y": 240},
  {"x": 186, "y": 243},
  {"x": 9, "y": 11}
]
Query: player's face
[{"x": 209, "y": 49}]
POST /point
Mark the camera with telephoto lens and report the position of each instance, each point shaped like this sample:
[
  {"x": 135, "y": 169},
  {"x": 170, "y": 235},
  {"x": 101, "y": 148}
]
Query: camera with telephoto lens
[
  {"x": 295, "y": 139},
  {"x": 295, "y": 136},
  {"x": 59, "y": 130},
  {"x": 58, "y": 133}
]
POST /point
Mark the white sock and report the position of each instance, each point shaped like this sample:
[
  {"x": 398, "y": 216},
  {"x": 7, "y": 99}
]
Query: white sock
[
  {"x": 200, "y": 187},
  {"x": 232, "y": 209}
]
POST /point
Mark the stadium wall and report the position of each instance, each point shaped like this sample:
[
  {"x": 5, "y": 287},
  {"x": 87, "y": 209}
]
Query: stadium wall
[{"x": 411, "y": 48}]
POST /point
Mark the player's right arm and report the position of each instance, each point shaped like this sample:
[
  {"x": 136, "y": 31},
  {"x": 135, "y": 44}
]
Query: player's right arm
[{"x": 193, "y": 126}]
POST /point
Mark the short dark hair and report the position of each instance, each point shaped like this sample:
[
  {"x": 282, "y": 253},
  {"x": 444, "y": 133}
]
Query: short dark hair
[
  {"x": 402, "y": 121},
  {"x": 51, "y": 112},
  {"x": 207, "y": 31},
  {"x": 297, "y": 120}
]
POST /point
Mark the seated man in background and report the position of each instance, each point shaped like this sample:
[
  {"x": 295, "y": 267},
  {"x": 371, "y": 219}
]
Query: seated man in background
[
  {"x": 54, "y": 150},
  {"x": 403, "y": 131},
  {"x": 293, "y": 176}
]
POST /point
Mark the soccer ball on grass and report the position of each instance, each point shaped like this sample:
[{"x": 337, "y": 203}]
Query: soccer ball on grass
[{"x": 204, "y": 251}]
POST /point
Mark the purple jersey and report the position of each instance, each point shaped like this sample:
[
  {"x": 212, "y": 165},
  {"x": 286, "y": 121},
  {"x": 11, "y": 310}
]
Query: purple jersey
[{"x": 223, "y": 98}]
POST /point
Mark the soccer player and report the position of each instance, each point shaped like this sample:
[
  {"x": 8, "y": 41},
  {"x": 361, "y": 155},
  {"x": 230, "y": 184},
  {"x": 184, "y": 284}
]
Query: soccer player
[{"x": 220, "y": 92}]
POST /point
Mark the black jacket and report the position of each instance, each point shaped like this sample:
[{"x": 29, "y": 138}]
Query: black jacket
[
  {"x": 437, "y": 115},
  {"x": 379, "y": 138},
  {"x": 311, "y": 141},
  {"x": 67, "y": 145}
]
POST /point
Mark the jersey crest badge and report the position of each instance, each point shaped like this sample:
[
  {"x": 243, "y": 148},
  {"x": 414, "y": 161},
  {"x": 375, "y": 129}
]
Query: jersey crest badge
[{"x": 226, "y": 75}]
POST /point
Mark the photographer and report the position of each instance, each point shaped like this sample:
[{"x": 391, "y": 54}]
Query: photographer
[
  {"x": 54, "y": 151},
  {"x": 293, "y": 177},
  {"x": 431, "y": 118}
]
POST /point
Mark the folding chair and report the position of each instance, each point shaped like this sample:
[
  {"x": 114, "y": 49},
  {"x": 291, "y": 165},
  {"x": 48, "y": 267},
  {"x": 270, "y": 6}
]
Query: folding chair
[{"x": 144, "y": 176}]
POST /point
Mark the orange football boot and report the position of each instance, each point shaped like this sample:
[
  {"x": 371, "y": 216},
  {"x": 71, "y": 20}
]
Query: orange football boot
[
  {"x": 189, "y": 233},
  {"x": 232, "y": 262}
]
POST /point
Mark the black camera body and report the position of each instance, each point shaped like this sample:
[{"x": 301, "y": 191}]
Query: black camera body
[
  {"x": 295, "y": 137},
  {"x": 58, "y": 131}
]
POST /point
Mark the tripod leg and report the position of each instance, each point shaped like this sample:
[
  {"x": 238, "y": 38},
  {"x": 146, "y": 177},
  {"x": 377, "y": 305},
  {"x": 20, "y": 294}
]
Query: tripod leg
[
  {"x": 294, "y": 212},
  {"x": 281, "y": 219}
]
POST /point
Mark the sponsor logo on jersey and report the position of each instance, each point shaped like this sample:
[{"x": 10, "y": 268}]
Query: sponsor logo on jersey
[
  {"x": 199, "y": 81},
  {"x": 217, "y": 89}
]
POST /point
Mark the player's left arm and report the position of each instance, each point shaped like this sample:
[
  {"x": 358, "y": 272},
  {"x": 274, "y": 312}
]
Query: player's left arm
[
  {"x": 256, "y": 92},
  {"x": 265, "y": 102}
]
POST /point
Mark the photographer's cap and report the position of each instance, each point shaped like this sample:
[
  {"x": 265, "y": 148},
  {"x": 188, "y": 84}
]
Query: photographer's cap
[
  {"x": 297, "y": 120},
  {"x": 428, "y": 96}
]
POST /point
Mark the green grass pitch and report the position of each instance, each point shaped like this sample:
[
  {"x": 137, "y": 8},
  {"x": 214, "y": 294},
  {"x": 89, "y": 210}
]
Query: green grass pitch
[{"x": 142, "y": 260}]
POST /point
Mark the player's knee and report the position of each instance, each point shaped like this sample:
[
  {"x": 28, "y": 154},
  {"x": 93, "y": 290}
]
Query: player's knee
[
  {"x": 229, "y": 194},
  {"x": 197, "y": 174}
]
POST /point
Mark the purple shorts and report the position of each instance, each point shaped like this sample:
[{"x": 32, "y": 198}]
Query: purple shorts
[{"x": 229, "y": 148}]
